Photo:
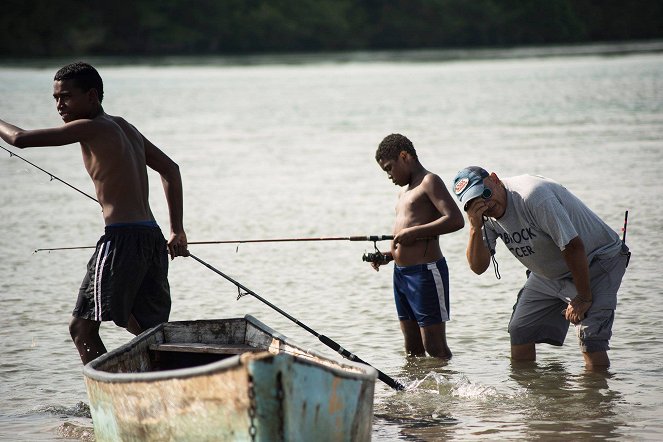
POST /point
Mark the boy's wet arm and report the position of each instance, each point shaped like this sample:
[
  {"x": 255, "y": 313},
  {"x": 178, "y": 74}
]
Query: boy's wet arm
[
  {"x": 172, "y": 185},
  {"x": 158, "y": 161},
  {"x": 69, "y": 133},
  {"x": 451, "y": 218},
  {"x": 9, "y": 132},
  {"x": 440, "y": 226}
]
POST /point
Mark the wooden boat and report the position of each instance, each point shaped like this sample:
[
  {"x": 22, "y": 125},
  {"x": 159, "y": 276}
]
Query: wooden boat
[{"x": 226, "y": 379}]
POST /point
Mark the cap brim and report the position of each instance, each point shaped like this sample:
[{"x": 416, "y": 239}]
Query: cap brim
[{"x": 471, "y": 193}]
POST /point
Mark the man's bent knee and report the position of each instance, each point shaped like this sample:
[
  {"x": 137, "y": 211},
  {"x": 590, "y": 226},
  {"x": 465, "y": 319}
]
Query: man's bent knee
[
  {"x": 523, "y": 352},
  {"x": 597, "y": 360}
]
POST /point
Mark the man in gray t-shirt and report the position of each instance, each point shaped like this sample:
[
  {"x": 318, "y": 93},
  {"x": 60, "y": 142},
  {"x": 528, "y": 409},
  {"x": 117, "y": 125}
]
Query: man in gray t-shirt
[{"x": 575, "y": 261}]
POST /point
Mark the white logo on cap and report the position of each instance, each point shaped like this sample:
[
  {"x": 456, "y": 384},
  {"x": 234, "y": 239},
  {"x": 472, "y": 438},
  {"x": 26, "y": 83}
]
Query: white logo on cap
[{"x": 461, "y": 185}]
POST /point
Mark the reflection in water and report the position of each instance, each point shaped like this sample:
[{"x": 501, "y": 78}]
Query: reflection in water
[
  {"x": 539, "y": 400},
  {"x": 561, "y": 405},
  {"x": 441, "y": 403},
  {"x": 422, "y": 409},
  {"x": 312, "y": 129}
]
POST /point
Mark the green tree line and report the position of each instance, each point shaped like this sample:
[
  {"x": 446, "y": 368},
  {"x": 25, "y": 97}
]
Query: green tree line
[{"x": 32, "y": 28}]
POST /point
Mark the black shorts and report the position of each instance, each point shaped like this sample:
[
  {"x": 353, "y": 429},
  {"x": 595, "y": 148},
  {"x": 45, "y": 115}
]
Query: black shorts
[{"x": 127, "y": 275}]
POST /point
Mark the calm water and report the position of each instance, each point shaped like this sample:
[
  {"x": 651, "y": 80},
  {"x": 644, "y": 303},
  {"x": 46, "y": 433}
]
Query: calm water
[{"x": 286, "y": 150}]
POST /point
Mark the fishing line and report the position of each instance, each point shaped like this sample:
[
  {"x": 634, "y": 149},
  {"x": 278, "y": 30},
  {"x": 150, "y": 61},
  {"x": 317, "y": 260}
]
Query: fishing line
[
  {"x": 324, "y": 339},
  {"x": 53, "y": 177},
  {"x": 628, "y": 254},
  {"x": 496, "y": 266}
]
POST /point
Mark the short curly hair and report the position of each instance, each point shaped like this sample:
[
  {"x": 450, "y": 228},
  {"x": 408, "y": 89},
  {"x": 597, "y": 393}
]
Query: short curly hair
[
  {"x": 392, "y": 146},
  {"x": 84, "y": 75}
]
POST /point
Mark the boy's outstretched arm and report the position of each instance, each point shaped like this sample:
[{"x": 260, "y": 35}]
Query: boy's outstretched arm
[
  {"x": 10, "y": 133},
  {"x": 69, "y": 133}
]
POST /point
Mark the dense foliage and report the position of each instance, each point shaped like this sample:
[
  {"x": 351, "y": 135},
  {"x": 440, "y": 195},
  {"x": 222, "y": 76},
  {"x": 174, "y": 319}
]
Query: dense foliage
[{"x": 124, "y": 27}]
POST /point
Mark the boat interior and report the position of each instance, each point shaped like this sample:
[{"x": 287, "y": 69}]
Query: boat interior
[{"x": 172, "y": 356}]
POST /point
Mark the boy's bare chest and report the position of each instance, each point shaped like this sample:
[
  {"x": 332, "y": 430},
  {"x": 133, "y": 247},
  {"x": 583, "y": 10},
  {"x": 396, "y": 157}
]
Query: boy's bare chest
[{"x": 414, "y": 203}]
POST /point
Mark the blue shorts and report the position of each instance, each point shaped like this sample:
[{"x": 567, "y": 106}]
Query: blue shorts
[{"x": 421, "y": 292}]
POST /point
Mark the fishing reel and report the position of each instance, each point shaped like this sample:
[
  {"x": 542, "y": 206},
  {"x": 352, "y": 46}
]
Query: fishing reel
[{"x": 376, "y": 257}]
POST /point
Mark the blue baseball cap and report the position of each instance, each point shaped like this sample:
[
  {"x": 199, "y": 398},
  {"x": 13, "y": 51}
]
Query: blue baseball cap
[{"x": 468, "y": 183}]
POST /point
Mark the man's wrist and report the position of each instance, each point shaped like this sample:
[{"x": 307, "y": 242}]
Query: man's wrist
[{"x": 476, "y": 231}]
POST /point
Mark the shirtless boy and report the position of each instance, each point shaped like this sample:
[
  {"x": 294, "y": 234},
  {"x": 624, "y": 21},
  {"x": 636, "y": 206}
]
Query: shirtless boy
[
  {"x": 127, "y": 277},
  {"x": 425, "y": 210}
]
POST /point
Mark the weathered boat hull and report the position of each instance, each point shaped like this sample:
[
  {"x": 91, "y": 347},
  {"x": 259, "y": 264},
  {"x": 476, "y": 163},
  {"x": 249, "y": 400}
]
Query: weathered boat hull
[{"x": 165, "y": 385}]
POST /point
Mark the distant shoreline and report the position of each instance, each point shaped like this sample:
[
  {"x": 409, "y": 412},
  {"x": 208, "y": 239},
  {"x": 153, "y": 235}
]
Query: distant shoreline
[{"x": 377, "y": 56}]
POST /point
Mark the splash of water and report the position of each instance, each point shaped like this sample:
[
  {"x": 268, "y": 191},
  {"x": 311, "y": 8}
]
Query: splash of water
[
  {"x": 81, "y": 409},
  {"x": 438, "y": 383},
  {"x": 464, "y": 388},
  {"x": 438, "y": 378}
]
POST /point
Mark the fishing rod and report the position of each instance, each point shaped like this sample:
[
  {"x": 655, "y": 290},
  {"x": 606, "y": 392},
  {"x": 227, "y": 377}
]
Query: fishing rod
[
  {"x": 324, "y": 339},
  {"x": 373, "y": 238},
  {"x": 328, "y": 238},
  {"x": 53, "y": 177}
]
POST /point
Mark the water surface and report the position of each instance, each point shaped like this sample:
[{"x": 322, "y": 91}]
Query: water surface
[{"x": 282, "y": 150}]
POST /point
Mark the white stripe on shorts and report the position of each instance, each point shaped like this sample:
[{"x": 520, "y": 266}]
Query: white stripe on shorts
[
  {"x": 439, "y": 288},
  {"x": 98, "y": 275}
]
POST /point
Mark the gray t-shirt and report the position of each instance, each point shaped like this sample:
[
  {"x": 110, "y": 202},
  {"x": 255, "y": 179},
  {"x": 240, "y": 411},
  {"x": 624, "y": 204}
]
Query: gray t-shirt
[{"x": 541, "y": 217}]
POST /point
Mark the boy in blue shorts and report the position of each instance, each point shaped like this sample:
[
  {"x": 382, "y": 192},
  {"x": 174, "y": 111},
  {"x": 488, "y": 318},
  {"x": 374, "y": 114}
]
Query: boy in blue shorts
[{"x": 425, "y": 210}]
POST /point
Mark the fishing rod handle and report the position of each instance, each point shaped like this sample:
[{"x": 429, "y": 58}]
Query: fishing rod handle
[{"x": 371, "y": 238}]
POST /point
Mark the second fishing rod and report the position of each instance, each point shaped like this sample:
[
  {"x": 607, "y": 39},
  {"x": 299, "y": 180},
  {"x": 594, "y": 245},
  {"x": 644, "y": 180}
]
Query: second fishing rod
[{"x": 375, "y": 256}]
